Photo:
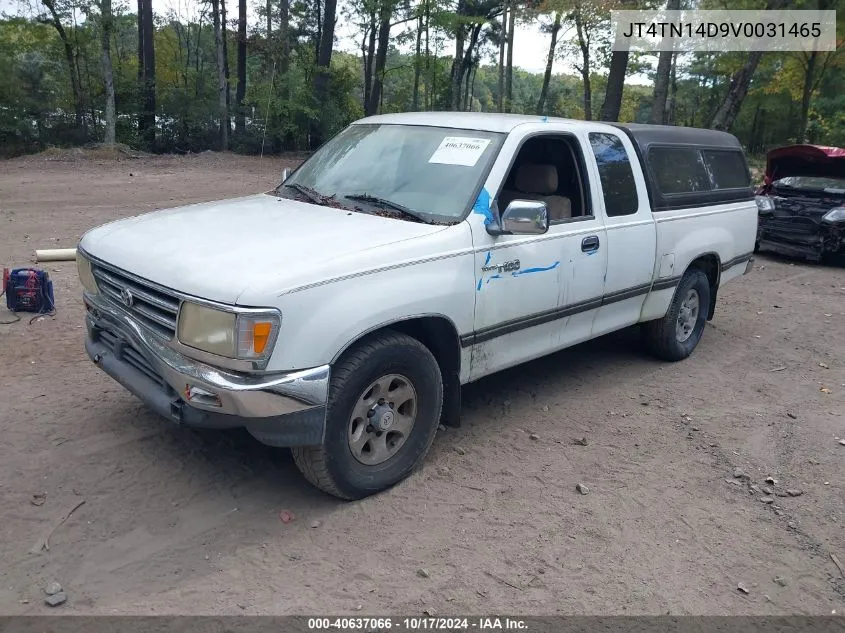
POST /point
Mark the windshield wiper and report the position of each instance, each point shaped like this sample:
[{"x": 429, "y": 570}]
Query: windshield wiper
[
  {"x": 363, "y": 197},
  {"x": 314, "y": 196}
]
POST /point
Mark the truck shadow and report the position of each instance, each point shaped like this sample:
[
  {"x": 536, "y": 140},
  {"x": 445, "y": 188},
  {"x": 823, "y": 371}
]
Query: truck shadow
[
  {"x": 551, "y": 376},
  {"x": 830, "y": 261},
  {"x": 561, "y": 370}
]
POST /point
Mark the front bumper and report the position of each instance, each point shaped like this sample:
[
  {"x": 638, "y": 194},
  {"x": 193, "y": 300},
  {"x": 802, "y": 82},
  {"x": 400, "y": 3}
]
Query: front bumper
[
  {"x": 799, "y": 237},
  {"x": 279, "y": 409}
]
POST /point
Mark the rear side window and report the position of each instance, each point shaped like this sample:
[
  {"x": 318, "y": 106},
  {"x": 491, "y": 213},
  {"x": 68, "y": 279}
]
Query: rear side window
[
  {"x": 727, "y": 169},
  {"x": 617, "y": 177},
  {"x": 678, "y": 170}
]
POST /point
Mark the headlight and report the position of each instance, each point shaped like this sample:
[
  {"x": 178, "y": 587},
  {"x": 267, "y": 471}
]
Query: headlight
[
  {"x": 83, "y": 267},
  {"x": 765, "y": 203},
  {"x": 242, "y": 336},
  {"x": 835, "y": 215}
]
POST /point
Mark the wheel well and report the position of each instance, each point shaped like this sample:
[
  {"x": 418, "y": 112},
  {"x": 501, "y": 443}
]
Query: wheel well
[
  {"x": 440, "y": 336},
  {"x": 710, "y": 265}
]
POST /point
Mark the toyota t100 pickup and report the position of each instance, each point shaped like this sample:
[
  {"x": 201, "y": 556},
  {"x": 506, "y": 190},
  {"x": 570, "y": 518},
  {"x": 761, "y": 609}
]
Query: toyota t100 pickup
[{"x": 341, "y": 313}]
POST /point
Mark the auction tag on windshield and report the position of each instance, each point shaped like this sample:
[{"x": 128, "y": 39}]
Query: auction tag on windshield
[{"x": 459, "y": 150}]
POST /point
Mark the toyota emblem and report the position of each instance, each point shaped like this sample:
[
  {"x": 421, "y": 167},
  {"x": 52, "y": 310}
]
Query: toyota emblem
[{"x": 126, "y": 297}]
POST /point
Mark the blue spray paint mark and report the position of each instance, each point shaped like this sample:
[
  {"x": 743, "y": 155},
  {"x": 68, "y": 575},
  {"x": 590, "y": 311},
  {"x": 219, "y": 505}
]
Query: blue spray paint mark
[
  {"x": 545, "y": 119},
  {"x": 494, "y": 277},
  {"x": 482, "y": 206},
  {"x": 487, "y": 261},
  {"x": 536, "y": 270},
  {"x": 478, "y": 287}
]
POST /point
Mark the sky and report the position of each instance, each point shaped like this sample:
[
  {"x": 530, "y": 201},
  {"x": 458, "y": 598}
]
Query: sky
[{"x": 531, "y": 46}]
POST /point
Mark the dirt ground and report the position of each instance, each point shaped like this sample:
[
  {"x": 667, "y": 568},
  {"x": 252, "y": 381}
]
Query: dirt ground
[{"x": 185, "y": 522}]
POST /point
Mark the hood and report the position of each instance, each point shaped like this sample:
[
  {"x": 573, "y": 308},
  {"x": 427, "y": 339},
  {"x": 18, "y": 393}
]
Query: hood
[
  {"x": 804, "y": 160},
  {"x": 217, "y": 250}
]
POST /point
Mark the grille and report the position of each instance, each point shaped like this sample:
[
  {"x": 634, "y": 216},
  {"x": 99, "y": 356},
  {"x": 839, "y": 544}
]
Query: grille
[
  {"x": 151, "y": 307},
  {"x": 128, "y": 354}
]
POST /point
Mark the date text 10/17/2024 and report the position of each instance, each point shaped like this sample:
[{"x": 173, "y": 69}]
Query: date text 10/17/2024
[{"x": 374, "y": 624}]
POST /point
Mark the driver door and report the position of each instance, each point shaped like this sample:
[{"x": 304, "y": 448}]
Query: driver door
[{"x": 534, "y": 293}]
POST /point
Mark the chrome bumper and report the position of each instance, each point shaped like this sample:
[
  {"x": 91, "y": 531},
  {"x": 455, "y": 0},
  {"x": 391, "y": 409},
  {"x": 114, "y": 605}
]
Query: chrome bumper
[{"x": 282, "y": 409}]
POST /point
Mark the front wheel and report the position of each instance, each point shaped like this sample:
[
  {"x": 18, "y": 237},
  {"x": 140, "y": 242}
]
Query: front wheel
[
  {"x": 384, "y": 406},
  {"x": 676, "y": 335}
]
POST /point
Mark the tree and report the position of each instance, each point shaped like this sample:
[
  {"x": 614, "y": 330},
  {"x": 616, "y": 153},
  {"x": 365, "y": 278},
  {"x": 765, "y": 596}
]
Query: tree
[
  {"x": 365, "y": 14},
  {"x": 73, "y": 71},
  {"x": 146, "y": 74},
  {"x": 268, "y": 14},
  {"x": 503, "y": 39},
  {"x": 589, "y": 18},
  {"x": 661, "y": 79},
  {"x": 225, "y": 37},
  {"x": 324, "y": 59},
  {"x": 468, "y": 24},
  {"x": 465, "y": 65},
  {"x": 415, "y": 100},
  {"x": 617, "y": 68},
  {"x": 240, "y": 93},
  {"x": 106, "y": 32},
  {"x": 385, "y": 17},
  {"x": 728, "y": 110},
  {"x": 284, "y": 35},
  {"x": 544, "y": 91},
  {"x": 583, "y": 32},
  {"x": 222, "y": 84},
  {"x": 457, "y": 61},
  {"x": 814, "y": 64},
  {"x": 725, "y": 116},
  {"x": 509, "y": 68},
  {"x": 54, "y": 82},
  {"x": 615, "y": 86}
]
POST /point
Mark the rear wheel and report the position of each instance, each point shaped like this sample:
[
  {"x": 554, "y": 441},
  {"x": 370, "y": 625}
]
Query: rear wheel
[
  {"x": 384, "y": 406},
  {"x": 676, "y": 335}
]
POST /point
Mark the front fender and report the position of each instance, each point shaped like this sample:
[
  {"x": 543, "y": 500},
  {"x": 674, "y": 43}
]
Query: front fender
[{"x": 318, "y": 323}]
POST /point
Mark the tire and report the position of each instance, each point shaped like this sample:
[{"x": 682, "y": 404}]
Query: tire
[
  {"x": 387, "y": 359},
  {"x": 664, "y": 337}
]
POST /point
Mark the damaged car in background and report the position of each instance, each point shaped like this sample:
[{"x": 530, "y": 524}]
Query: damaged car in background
[{"x": 801, "y": 206}]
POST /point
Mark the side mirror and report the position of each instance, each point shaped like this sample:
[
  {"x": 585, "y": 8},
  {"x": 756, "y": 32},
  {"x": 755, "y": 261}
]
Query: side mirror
[
  {"x": 523, "y": 217},
  {"x": 285, "y": 174}
]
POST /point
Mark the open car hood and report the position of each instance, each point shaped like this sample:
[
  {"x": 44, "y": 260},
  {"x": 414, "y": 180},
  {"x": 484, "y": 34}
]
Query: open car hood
[{"x": 804, "y": 160}]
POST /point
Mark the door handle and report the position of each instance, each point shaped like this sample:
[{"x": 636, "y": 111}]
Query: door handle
[{"x": 590, "y": 244}]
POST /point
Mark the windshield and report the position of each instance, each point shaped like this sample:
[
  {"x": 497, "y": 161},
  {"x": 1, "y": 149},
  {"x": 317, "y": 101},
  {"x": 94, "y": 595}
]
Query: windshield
[
  {"x": 430, "y": 172},
  {"x": 812, "y": 183}
]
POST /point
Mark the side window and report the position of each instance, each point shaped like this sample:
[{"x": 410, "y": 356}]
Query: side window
[
  {"x": 615, "y": 173},
  {"x": 678, "y": 170},
  {"x": 727, "y": 169},
  {"x": 548, "y": 168}
]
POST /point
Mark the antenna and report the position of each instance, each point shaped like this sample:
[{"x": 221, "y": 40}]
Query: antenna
[{"x": 266, "y": 118}]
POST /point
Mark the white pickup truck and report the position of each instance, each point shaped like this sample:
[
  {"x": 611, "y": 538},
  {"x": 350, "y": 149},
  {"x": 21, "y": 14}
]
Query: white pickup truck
[{"x": 340, "y": 314}]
